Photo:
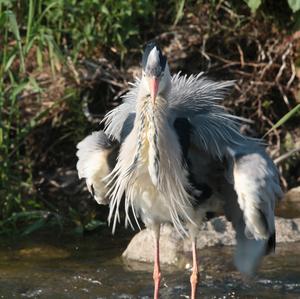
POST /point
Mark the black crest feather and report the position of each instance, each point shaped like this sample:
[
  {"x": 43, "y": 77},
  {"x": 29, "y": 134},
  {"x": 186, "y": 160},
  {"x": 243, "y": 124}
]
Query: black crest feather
[{"x": 162, "y": 59}]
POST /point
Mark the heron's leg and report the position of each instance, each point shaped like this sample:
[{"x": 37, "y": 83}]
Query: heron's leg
[
  {"x": 195, "y": 273},
  {"x": 156, "y": 270}
]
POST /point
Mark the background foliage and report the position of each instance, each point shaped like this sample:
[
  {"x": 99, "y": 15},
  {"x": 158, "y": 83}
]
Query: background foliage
[{"x": 63, "y": 64}]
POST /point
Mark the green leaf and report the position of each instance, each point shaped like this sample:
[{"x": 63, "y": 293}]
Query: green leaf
[
  {"x": 1, "y": 136},
  {"x": 179, "y": 11},
  {"x": 29, "y": 20},
  {"x": 294, "y": 5},
  {"x": 78, "y": 230},
  {"x": 35, "y": 226},
  {"x": 18, "y": 89},
  {"x": 285, "y": 118},
  {"x": 94, "y": 224},
  {"x": 9, "y": 62},
  {"x": 104, "y": 9},
  {"x": 6, "y": 3},
  {"x": 13, "y": 25},
  {"x": 254, "y": 4},
  {"x": 39, "y": 57}
]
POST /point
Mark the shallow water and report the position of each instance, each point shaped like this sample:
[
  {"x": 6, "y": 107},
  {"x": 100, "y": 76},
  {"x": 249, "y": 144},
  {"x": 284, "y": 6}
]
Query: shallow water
[{"x": 92, "y": 267}]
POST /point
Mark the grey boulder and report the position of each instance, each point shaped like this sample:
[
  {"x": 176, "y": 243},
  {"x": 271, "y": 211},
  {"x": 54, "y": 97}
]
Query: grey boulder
[{"x": 218, "y": 231}]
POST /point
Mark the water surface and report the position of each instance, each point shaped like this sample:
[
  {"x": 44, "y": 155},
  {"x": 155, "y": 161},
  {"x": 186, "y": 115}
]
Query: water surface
[{"x": 92, "y": 267}]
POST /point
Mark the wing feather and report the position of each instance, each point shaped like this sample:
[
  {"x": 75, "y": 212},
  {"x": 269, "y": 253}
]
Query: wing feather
[
  {"x": 119, "y": 121},
  {"x": 96, "y": 158},
  {"x": 194, "y": 94},
  {"x": 256, "y": 183},
  {"x": 235, "y": 166}
]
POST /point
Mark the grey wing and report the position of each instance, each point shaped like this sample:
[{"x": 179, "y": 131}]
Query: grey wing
[
  {"x": 97, "y": 153},
  {"x": 236, "y": 167},
  {"x": 96, "y": 158},
  {"x": 255, "y": 181},
  {"x": 247, "y": 182}
]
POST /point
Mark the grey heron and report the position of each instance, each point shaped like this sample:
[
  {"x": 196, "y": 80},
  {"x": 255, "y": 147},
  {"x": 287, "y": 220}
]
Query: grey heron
[{"x": 173, "y": 153}]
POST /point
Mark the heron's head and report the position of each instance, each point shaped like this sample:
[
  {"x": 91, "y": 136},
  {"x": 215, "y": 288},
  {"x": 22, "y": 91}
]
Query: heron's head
[{"x": 156, "y": 75}]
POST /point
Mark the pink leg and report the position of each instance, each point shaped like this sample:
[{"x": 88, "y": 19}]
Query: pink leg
[
  {"x": 195, "y": 274},
  {"x": 156, "y": 271}
]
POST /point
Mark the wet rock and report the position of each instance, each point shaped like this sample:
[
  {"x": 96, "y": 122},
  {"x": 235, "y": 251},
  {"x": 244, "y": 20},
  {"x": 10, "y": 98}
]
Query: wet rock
[
  {"x": 293, "y": 195},
  {"x": 141, "y": 247},
  {"x": 288, "y": 230},
  {"x": 217, "y": 231},
  {"x": 290, "y": 205}
]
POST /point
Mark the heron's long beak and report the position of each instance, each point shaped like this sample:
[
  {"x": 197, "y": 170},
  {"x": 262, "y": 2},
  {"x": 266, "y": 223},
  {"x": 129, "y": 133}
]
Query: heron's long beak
[{"x": 153, "y": 84}]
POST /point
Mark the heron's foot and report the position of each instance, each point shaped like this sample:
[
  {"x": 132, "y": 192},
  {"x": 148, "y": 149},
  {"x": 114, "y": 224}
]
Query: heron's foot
[
  {"x": 157, "y": 279},
  {"x": 194, "y": 279}
]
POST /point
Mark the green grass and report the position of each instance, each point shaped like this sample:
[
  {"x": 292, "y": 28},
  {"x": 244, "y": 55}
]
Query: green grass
[
  {"x": 40, "y": 35},
  {"x": 293, "y": 112}
]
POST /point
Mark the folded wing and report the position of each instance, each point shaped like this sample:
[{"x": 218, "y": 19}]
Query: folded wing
[{"x": 96, "y": 158}]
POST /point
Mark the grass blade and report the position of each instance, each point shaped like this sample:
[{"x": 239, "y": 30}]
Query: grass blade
[
  {"x": 179, "y": 11},
  {"x": 9, "y": 62},
  {"x": 284, "y": 119},
  {"x": 1, "y": 136},
  {"x": 29, "y": 20},
  {"x": 15, "y": 30}
]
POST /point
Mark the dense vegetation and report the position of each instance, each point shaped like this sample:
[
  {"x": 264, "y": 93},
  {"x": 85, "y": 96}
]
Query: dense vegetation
[{"x": 63, "y": 64}]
